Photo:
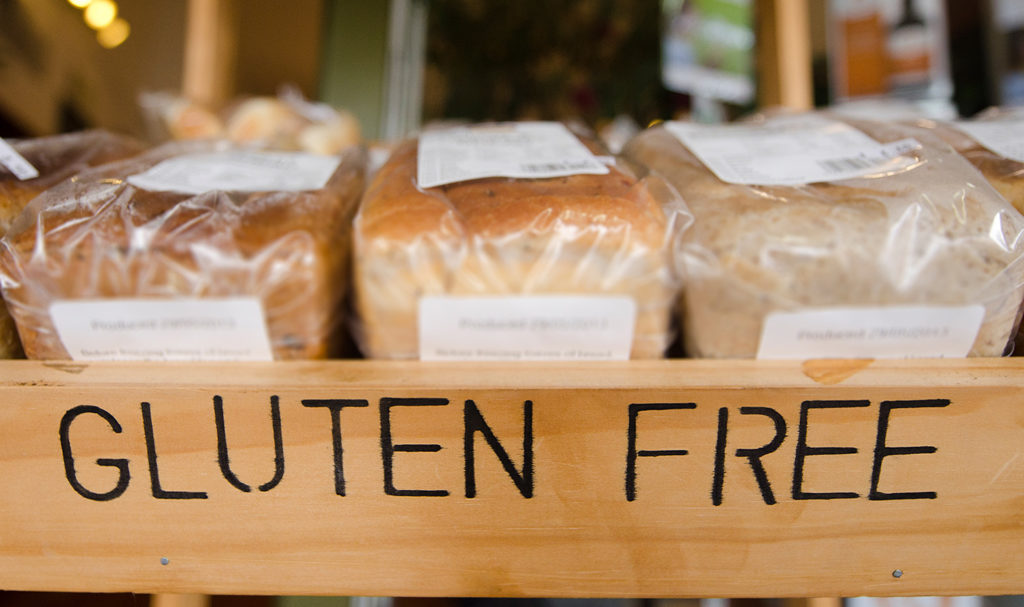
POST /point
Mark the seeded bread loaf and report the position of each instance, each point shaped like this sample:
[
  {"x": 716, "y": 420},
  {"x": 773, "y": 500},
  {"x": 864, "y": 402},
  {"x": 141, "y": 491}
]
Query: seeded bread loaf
[
  {"x": 933, "y": 233},
  {"x": 1005, "y": 174}
]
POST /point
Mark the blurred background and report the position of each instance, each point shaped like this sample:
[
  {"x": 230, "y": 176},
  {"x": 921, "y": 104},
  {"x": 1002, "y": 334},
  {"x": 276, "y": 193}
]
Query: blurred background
[{"x": 396, "y": 65}]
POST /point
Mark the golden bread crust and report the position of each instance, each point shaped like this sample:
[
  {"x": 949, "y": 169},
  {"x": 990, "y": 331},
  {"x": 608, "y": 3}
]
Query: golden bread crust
[{"x": 581, "y": 234}]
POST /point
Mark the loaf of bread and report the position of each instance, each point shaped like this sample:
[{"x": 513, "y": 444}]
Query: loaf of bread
[
  {"x": 1004, "y": 173},
  {"x": 100, "y": 237},
  {"x": 574, "y": 235},
  {"x": 285, "y": 122},
  {"x": 56, "y": 158},
  {"x": 932, "y": 233}
]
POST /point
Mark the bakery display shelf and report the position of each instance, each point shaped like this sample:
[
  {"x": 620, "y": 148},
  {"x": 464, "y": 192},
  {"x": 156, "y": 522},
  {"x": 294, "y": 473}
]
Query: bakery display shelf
[{"x": 645, "y": 479}]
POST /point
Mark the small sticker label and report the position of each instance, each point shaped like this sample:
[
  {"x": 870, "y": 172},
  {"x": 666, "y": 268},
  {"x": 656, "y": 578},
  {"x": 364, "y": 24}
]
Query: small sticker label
[
  {"x": 896, "y": 332},
  {"x": 194, "y": 329},
  {"x": 16, "y": 163},
  {"x": 527, "y": 327},
  {"x": 791, "y": 151},
  {"x": 523, "y": 149},
  {"x": 238, "y": 171},
  {"x": 1004, "y": 137}
]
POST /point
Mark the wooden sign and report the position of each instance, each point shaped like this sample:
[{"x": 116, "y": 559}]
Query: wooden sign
[{"x": 661, "y": 478}]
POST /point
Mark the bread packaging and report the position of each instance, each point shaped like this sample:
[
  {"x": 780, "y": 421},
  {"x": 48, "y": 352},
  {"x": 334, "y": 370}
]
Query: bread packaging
[
  {"x": 992, "y": 143},
  {"x": 815, "y": 236},
  {"x": 501, "y": 231},
  {"x": 195, "y": 250},
  {"x": 285, "y": 122},
  {"x": 29, "y": 166}
]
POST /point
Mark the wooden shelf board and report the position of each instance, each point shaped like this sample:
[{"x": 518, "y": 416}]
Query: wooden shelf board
[{"x": 610, "y": 505}]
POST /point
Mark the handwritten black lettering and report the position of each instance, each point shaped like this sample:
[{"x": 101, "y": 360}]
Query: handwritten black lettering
[
  {"x": 718, "y": 476},
  {"x": 154, "y": 472},
  {"x": 631, "y": 451},
  {"x": 882, "y": 450},
  {"x": 123, "y": 475},
  {"x": 803, "y": 450},
  {"x": 755, "y": 455},
  {"x": 335, "y": 406},
  {"x": 388, "y": 448},
  {"x": 473, "y": 422},
  {"x": 222, "y": 446}
]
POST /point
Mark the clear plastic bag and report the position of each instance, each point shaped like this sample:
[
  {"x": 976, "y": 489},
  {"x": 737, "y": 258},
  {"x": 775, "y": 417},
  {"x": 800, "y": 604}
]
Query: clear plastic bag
[
  {"x": 99, "y": 237},
  {"x": 930, "y": 232},
  {"x": 285, "y": 122},
  {"x": 56, "y": 158},
  {"x": 1005, "y": 173},
  {"x": 590, "y": 235}
]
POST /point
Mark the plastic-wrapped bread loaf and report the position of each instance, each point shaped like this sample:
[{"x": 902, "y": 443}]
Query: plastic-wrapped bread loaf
[
  {"x": 109, "y": 235},
  {"x": 924, "y": 231},
  {"x": 1002, "y": 163},
  {"x": 54, "y": 158},
  {"x": 581, "y": 234},
  {"x": 991, "y": 142},
  {"x": 285, "y": 122}
]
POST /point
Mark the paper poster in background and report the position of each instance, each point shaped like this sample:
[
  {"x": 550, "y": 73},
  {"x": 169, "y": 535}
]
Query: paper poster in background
[
  {"x": 708, "y": 49},
  {"x": 895, "y": 48},
  {"x": 1008, "y": 21}
]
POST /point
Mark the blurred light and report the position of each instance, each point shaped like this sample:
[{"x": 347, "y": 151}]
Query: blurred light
[
  {"x": 100, "y": 13},
  {"x": 114, "y": 34},
  {"x": 79, "y": 3}
]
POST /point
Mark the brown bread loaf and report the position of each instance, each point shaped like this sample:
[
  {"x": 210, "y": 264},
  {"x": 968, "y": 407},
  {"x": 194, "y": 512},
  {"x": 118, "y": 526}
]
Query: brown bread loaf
[
  {"x": 101, "y": 237},
  {"x": 56, "y": 158}
]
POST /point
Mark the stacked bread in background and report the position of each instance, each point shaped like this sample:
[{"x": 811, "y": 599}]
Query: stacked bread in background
[
  {"x": 286, "y": 122},
  {"x": 789, "y": 236}
]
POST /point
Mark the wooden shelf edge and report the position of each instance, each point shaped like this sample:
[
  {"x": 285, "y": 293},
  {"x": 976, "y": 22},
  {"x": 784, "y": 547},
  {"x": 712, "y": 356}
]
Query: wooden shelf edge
[
  {"x": 676, "y": 478},
  {"x": 674, "y": 373}
]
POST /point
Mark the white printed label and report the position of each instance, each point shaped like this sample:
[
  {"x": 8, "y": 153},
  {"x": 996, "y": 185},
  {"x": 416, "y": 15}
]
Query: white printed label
[
  {"x": 886, "y": 332},
  {"x": 16, "y": 163},
  {"x": 1004, "y": 137},
  {"x": 206, "y": 329},
  {"x": 791, "y": 151},
  {"x": 237, "y": 171},
  {"x": 526, "y": 327},
  {"x": 522, "y": 149}
]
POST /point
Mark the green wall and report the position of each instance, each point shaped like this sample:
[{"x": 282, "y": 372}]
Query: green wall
[{"x": 355, "y": 51}]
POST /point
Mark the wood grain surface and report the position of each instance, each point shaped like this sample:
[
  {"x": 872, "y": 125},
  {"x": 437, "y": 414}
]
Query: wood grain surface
[{"x": 657, "y": 479}]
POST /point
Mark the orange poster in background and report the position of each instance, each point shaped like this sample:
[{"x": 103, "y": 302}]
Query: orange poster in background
[{"x": 865, "y": 61}]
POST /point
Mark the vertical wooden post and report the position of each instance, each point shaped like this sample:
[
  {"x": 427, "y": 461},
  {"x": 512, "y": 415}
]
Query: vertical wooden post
[
  {"x": 784, "y": 54},
  {"x": 211, "y": 49},
  {"x": 813, "y": 602},
  {"x": 180, "y": 600}
]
